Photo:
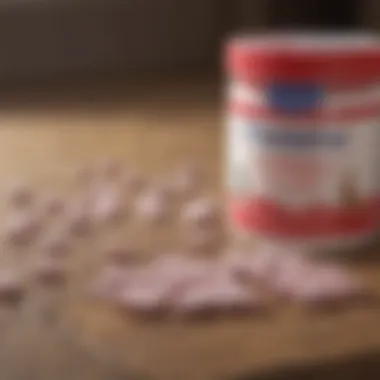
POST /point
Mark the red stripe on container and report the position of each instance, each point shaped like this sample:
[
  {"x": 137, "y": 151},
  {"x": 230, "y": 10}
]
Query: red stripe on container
[
  {"x": 261, "y": 65},
  {"x": 260, "y": 215}
]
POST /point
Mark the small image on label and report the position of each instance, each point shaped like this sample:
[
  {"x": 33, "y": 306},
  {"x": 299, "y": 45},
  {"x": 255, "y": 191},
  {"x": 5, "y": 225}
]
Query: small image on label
[{"x": 293, "y": 98}]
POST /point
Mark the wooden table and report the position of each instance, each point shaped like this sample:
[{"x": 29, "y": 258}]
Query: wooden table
[{"x": 152, "y": 127}]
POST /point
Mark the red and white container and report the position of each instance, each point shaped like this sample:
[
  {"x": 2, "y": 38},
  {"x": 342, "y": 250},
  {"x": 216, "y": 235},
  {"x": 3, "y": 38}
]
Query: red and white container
[{"x": 302, "y": 138}]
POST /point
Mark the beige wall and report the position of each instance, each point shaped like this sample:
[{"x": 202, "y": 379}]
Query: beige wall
[
  {"x": 371, "y": 14},
  {"x": 52, "y": 36},
  {"x": 44, "y": 36}
]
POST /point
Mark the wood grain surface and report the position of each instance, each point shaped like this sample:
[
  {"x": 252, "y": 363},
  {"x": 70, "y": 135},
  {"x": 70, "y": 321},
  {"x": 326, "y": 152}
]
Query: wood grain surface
[{"x": 151, "y": 128}]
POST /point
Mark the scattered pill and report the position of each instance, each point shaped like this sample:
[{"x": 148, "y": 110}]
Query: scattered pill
[
  {"x": 327, "y": 286},
  {"x": 54, "y": 205},
  {"x": 79, "y": 221},
  {"x": 234, "y": 262},
  {"x": 289, "y": 275},
  {"x": 152, "y": 289},
  {"x": 119, "y": 254},
  {"x": 50, "y": 271},
  {"x": 180, "y": 270},
  {"x": 217, "y": 297},
  {"x": 11, "y": 288},
  {"x": 182, "y": 183},
  {"x": 202, "y": 212},
  {"x": 21, "y": 195},
  {"x": 133, "y": 181},
  {"x": 203, "y": 241},
  {"x": 21, "y": 228},
  {"x": 108, "y": 205},
  {"x": 145, "y": 300},
  {"x": 56, "y": 244},
  {"x": 152, "y": 207}
]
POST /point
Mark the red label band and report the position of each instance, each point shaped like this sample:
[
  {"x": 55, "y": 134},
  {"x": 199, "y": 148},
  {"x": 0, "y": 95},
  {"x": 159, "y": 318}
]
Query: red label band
[
  {"x": 260, "y": 215},
  {"x": 330, "y": 68}
]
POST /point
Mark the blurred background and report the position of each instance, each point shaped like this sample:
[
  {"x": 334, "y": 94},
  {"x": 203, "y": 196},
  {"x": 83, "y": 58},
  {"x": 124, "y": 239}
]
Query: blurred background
[
  {"x": 41, "y": 39},
  {"x": 157, "y": 65}
]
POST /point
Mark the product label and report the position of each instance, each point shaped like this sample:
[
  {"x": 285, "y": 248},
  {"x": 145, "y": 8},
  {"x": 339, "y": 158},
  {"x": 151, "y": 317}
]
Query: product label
[
  {"x": 303, "y": 101},
  {"x": 303, "y": 179},
  {"x": 274, "y": 137},
  {"x": 294, "y": 97}
]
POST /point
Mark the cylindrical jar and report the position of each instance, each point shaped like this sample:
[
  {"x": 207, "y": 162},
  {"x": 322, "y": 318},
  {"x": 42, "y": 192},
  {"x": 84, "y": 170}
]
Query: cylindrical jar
[{"x": 302, "y": 115}]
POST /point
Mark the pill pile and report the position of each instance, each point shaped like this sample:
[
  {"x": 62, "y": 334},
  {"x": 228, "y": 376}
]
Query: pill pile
[
  {"x": 234, "y": 281},
  {"x": 204, "y": 275}
]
